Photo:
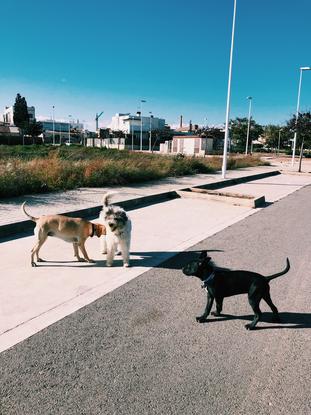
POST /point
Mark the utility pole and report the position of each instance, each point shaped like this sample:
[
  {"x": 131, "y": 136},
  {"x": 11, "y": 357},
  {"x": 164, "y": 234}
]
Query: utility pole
[{"x": 97, "y": 131}]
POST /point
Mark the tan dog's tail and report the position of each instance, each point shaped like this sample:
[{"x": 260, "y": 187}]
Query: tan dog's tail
[
  {"x": 27, "y": 214},
  {"x": 107, "y": 197}
]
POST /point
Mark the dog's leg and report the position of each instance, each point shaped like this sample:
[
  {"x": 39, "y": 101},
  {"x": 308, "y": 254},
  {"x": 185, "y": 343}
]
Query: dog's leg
[
  {"x": 254, "y": 303},
  {"x": 124, "y": 247},
  {"x": 83, "y": 250},
  {"x": 118, "y": 251},
  {"x": 76, "y": 252},
  {"x": 111, "y": 249},
  {"x": 219, "y": 302},
  {"x": 35, "y": 250},
  {"x": 103, "y": 244},
  {"x": 207, "y": 310},
  {"x": 275, "y": 311}
]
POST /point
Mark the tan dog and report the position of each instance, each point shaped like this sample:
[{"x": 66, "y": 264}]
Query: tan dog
[{"x": 74, "y": 230}]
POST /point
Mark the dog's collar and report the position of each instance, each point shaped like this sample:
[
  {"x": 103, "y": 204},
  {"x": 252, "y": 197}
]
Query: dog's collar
[
  {"x": 93, "y": 230},
  {"x": 208, "y": 280}
]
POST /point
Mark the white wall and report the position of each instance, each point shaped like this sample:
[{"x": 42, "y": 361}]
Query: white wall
[{"x": 130, "y": 123}]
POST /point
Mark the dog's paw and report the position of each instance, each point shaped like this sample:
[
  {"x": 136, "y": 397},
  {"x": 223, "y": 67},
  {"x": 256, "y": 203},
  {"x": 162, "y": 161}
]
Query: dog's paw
[
  {"x": 200, "y": 319},
  {"x": 109, "y": 264},
  {"x": 40, "y": 260},
  {"x": 249, "y": 326},
  {"x": 126, "y": 265},
  {"x": 91, "y": 261},
  {"x": 81, "y": 259},
  {"x": 33, "y": 264}
]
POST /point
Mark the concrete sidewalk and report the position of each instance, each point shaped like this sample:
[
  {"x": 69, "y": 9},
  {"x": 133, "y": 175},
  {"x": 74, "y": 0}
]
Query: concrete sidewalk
[
  {"x": 33, "y": 298},
  {"x": 85, "y": 199}
]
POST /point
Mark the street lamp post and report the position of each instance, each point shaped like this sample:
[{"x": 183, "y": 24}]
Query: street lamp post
[
  {"x": 69, "y": 117},
  {"x": 53, "y": 127},
  {"x": 150, "y": 116},
  {"x": 141, "y": 123},
  {"x": 249, "y": 123},
  {"x": 224, "y": 159},
  {"x": 302, "y": 68},
  {"x": 279, "y": 141}
]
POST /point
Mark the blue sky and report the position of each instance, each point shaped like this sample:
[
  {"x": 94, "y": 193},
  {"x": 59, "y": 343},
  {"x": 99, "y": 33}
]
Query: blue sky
[{"x": 85, "y": 57}]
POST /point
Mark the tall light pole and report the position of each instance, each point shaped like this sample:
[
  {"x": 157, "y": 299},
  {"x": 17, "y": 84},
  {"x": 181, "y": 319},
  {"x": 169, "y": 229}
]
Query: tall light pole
[
  {"x": 302, "y": 68},
  {"x": 224, "y": 159},
  {"x": 249, "y": 122},
  {"x": 53, "y": 127},
  {"x": 141, "y": 123},
  {"x": 150, "y": 116},
  {"x": 279, "y": 141},
  {"x": 69, "y": 117}
]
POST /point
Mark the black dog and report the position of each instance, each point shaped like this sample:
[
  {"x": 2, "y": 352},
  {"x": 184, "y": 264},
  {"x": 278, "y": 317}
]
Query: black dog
[{"x": 221, "y": 282}]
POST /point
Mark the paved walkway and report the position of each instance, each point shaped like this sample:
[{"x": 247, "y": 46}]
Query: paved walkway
[
  {"x": 61, "y": 202},
  {"x": 33, "y": 298}
]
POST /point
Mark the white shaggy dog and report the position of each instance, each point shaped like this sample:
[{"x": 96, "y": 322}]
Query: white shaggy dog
[{"x": 118, "y": 231}]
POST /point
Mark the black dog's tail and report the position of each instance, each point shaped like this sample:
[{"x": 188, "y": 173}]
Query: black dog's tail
[{"x": 271, "y": 277}]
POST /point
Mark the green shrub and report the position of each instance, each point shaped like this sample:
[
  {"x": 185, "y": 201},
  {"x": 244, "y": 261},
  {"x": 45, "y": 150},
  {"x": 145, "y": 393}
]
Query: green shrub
[{"x": 37, "y": 168}]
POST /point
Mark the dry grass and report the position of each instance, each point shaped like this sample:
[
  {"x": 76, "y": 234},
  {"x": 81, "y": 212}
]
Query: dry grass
[{"x": 52, "y": 169}]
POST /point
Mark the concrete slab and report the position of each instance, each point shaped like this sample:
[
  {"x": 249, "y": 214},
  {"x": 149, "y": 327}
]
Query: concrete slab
[{"x": 237, "y": 199}]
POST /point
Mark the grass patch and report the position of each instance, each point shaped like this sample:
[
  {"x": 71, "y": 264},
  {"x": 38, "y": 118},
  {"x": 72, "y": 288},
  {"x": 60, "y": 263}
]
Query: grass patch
[{"x": 38, "y": 169}]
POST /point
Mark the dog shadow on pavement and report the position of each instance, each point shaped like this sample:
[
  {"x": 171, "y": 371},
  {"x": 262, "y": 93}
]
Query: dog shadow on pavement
[
  {"x": 176, "y": 260},
  {"x": 289, "y": 320}
]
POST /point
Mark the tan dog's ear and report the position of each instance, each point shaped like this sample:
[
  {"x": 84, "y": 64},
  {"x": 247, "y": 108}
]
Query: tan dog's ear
[{"x": 100, "y": 230}]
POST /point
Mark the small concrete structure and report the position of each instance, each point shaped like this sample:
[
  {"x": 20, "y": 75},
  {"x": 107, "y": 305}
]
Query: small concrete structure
[
  {"x": 190, "y": 145},
  {"x": 236, "y": 199}
]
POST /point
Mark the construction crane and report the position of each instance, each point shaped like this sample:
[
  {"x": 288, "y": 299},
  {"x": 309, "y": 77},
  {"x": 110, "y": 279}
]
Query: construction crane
[{"x": 96, "y": 120}]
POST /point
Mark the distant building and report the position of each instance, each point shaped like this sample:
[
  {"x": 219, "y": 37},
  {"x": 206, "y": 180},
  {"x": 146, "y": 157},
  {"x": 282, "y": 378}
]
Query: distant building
[
  {"x": 9, "y": 113},
  {"x": 9, "y": 134},
  {"x": 132, "y": 123},
  {"x": 135, "y": 126},
  {"x": 60, "y": 131},
  {"x": 190, "y": 145}
]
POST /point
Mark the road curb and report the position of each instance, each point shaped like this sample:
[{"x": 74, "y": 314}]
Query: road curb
[{"x": 26, "y": 226}]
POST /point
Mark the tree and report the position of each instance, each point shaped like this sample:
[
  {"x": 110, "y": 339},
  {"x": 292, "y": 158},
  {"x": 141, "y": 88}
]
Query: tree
[
  {"x": 34, "y": 129},
  {"x": 302, "y": 126},
  {"x": 20, "y": 114},
  {"x": 119, "y": 134},
  {"x": 271, "y": 135},
  {"x": 276, "y": 135},
  {"x": 238, "y": 132}
]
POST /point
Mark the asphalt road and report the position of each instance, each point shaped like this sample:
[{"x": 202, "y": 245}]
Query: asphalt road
[{"x": 139, "y": 350}]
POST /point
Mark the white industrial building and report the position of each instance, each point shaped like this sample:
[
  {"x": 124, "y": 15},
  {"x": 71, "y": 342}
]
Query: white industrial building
[
  {"x": 9, "y": 113},
  {"x": 130, "y": 124}
]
